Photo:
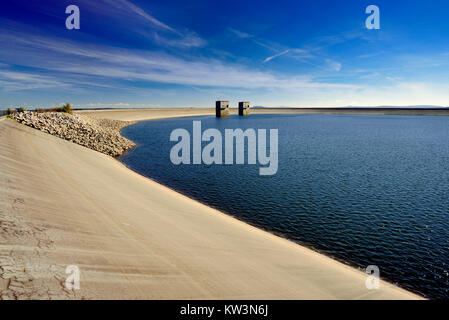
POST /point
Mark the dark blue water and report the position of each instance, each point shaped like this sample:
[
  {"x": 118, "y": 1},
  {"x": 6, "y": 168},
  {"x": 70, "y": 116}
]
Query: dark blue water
[{"x": 366, "y": 190}]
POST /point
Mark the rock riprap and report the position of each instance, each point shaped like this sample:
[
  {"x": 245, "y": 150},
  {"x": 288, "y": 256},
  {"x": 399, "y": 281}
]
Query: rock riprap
[{"x": 101, "y": 135}]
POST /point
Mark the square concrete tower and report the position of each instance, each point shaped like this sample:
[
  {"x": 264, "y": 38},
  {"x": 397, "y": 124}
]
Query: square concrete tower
[
  {"x": 221, "y": 108},
  {"x": 243, "y": 108}
]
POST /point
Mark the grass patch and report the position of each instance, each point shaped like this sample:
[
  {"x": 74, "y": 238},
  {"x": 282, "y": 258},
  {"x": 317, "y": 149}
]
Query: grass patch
[{"x": 67, "y": 108}]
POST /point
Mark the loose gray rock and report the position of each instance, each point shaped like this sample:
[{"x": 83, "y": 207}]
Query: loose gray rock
[{"x": 101, "y": 135}]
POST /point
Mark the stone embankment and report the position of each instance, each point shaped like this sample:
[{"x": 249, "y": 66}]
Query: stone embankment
[{"x": 101, "y": 135}]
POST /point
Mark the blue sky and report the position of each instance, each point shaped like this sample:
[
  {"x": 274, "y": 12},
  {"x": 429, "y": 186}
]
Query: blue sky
[{"x": 303, "y": 53}]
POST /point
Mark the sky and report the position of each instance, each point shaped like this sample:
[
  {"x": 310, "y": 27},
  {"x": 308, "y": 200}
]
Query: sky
[{"x": 302, "y": 53}]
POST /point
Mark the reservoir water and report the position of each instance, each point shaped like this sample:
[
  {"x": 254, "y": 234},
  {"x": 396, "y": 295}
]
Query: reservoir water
[{"x": 365, "y": 190}]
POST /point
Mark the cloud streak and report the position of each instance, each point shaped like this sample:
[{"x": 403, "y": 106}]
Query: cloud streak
[
  {"x": 105, "y": 62},
  {"x": 16, "y": 81},
  {"x": 276, "y": 55},
  {"x": 309, "y": 55},
  {"x": 124, "y": 4},
  {"x": 240, "y": 34},
  {"x": 164, "y": 36}
]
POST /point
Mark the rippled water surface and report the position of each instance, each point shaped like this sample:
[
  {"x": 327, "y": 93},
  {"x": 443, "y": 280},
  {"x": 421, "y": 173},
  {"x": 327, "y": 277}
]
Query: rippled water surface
[{"x": 366, "y": 190}]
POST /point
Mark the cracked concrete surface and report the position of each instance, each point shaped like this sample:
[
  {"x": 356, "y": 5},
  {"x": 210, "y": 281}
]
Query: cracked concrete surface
[{"x": 26, "y": 272}]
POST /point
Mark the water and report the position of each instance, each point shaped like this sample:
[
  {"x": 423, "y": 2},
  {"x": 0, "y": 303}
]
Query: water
[{"x": 366, "y": 190}]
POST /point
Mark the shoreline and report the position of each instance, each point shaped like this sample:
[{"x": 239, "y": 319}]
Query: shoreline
[
  {"x": 142, "y": 114},
  {"x": 249, "y": 223},
  {"x": 196, "y": 251}
]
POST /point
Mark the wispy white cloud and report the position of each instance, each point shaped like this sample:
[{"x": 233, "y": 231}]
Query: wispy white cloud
[
  {"x": 240, "y": 34},
  {"x": 293, "y": 53},
  {"x": 369, "y": 55},
  {"x": 308, "y": 55},
  {"x": 270, "y": 47},
  {"x": 105, "y": 63},
  {"x": 189, "y": 40},
  {"x": 164, "y": 34},
  {"x": 14, "y": 81},
  {"x": 333, "y": 65},
  {"x": 18, "y": 81},
  {"x": 129, "y": 6},
  {"x": 276, "y": 55}
]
